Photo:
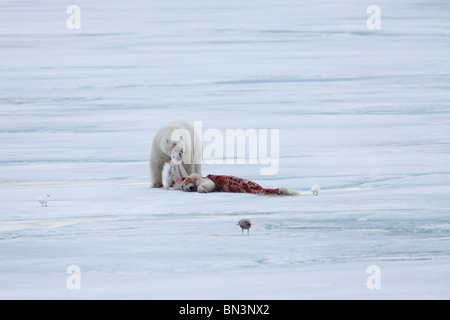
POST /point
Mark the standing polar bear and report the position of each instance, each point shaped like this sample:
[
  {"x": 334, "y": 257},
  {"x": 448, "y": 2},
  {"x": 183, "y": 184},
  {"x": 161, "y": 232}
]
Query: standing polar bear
[{"x": 176, "y": 140}]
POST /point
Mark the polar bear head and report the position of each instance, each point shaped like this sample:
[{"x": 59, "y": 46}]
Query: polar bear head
[{"x": 189, "y": 184}]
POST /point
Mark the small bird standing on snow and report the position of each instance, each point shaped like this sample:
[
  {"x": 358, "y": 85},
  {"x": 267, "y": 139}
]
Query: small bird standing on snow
[
  {"x": 315, "y": 189},
  {"x": 245, "y": 224},
  {"x": 43, "y": 200}
]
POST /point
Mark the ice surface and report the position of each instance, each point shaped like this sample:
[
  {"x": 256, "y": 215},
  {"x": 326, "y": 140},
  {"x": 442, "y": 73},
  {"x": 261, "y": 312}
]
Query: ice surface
[{"x": 363, "y": 113}]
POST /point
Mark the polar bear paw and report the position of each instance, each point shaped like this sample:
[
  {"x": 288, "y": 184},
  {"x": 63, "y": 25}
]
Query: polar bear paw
[{"x": 156, "y": 185}]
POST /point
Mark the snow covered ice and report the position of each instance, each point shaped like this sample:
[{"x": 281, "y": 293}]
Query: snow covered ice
[{"x": 363, "y": 113}]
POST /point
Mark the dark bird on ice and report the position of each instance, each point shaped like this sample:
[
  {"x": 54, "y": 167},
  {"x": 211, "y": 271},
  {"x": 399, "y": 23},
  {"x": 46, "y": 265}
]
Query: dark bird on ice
[{"x": 245, "y": 224}]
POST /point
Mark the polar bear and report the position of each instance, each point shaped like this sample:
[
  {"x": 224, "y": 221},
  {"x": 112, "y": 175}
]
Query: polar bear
[{"x": 175, "y": 141}]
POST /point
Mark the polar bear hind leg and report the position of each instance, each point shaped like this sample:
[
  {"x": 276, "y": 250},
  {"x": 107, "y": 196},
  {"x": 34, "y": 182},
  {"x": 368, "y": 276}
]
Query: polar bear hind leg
[{"x": 286, "y": 192}]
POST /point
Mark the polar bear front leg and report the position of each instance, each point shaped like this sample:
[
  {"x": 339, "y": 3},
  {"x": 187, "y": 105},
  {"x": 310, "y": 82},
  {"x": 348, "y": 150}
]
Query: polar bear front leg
[
  {"x": 189, "y": 168},
  {"x": 200, "y": 189},
  {"x": 156, "y": 169},
  {"x": 170, "y": 178},
  {"x": 207, "y": 185}
]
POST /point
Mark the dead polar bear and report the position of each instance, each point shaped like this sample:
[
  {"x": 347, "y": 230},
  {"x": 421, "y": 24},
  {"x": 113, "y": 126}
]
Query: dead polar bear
[
  {"x": 175, "y": 140},
  {"x": 220, "y": 183}
]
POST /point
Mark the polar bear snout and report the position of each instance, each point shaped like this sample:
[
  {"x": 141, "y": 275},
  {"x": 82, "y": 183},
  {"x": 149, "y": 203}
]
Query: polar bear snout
[{"x": 191, "y": 187}]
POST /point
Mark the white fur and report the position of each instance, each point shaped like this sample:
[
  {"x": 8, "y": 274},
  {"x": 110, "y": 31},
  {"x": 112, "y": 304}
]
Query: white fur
[
  {"x": 170, "y": 176},
  {"x": 167, "y": 145},
  {"x": 286, "y": 192},
  {"x": 315, "y": 189},
  {"x": 204, "y": 185},
  {"x": 44, "y": 199}
]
